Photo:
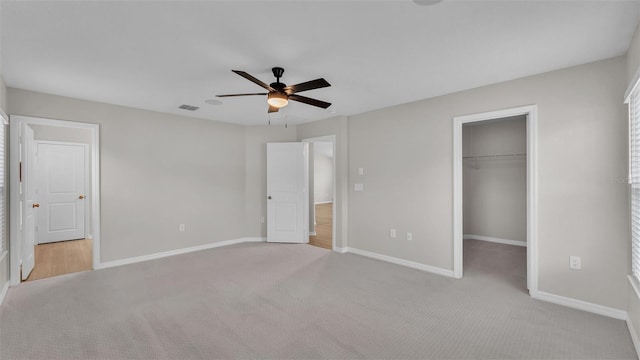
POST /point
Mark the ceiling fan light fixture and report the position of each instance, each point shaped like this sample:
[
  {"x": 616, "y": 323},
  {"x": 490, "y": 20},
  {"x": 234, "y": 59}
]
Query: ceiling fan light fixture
[{"x": 277, "y": 99}]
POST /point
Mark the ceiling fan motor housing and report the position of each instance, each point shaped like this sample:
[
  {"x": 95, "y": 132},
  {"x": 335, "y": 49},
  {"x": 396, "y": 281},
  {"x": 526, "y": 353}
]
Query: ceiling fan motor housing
[
  {"x": 277, "y": 72},
  {"x": 278, "y": 86}
]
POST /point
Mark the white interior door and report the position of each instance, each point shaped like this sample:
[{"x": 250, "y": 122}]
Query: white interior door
[
  {"x": 287, "y": 198},
  {"x": 61, "y": 191},
  {"x": 29, "y": 201}
]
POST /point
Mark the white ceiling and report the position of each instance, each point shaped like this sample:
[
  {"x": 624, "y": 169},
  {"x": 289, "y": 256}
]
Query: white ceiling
[{"x": 157, "y": 55}]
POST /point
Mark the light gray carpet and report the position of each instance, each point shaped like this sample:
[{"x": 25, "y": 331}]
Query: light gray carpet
[{"x": 276, "y": 301}]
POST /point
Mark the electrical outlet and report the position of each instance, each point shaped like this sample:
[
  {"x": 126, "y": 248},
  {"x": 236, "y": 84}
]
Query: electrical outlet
[
  {"x": 360, "y": 171},
  {"x": 392, "y": 233},
  {"x": 409, "y": 236},
  {"x": 575, "y": 262},
  {"x": 181, "y": 227}
]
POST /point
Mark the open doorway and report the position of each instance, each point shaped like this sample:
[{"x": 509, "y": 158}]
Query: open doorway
[
  {"x": 61, "y": 180},
  {"x": 494, "y": 172},
  {"x": 55, "y": 197},
  {"x": 495, "y": 195},
  {"x": 322, "y": 192}
]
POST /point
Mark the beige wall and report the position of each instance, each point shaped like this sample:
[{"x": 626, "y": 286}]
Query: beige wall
[
  {"x": 157, "y": 171},
  {"x": 495, "y": 188},
  {"x": 338, "y": 126},
  {"x": 256, "y": 138},
  {"x": 407, "y": 155}
]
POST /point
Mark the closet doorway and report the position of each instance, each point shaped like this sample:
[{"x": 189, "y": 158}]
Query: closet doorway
[{"x": 495, "y": 196}]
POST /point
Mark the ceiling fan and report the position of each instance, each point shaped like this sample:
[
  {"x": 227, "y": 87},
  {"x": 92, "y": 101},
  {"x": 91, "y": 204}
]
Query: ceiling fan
[{"x": 279, "y": 93}]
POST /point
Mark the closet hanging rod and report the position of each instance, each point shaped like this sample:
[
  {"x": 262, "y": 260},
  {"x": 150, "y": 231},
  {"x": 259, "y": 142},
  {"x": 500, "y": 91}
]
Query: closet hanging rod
[{"x": 491, "y": 156}]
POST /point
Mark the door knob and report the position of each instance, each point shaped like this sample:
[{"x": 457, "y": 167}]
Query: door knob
[
  {"x": 81, "y": 197},
  {"x": 35, "y": 205},
  {"x": 269, "y": 197}
]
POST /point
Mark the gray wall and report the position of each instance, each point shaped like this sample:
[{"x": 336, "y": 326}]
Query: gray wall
[
  {"x": 407, "y": 155},
  {"x": 157, "y": 171},
  {"x": 495, "y": 188},
  {"x": 323, "y": 172},
  {"x": 338, "y": 126},
  {"x": 3, "y": 94},
  {"x": 633, "y": 56}
]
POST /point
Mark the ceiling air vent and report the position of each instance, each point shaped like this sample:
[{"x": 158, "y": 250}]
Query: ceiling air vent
[{"x": 188, "y": 107}]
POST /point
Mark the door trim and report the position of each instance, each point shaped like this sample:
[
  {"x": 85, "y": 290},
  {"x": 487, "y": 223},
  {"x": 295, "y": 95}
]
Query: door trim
[
  {"x": 87, "y": 175},
  {"x": 16, "y": 122},
  {"x": 531, "y": 112},
  {"x": 332, "y": 139}
]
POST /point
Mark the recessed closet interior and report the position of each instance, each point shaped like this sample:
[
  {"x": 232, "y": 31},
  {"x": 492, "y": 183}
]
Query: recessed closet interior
[{"x": 495, "y": 196}]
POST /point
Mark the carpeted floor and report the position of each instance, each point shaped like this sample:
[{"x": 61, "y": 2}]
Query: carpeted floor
[{"x": 276, "y": 301}]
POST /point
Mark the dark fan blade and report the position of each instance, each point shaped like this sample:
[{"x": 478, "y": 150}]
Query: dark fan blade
[
  {"x": 252, "y": 79},
  {"x": 310, "y": 101},
  {"x": 309, "y": 85},
  {"x": 273, "y": 109},
  {"x": 229, "y": 95}
]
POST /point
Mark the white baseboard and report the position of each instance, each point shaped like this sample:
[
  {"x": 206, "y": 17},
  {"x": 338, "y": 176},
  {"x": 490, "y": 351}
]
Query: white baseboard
[
  {"x": 580, "y": 305},
  {"x": 90, "y": 237},
  {"x": 495, "y": 240},
  {"x": 4, "y": 291},
  {"x": 632, "y": 330},
  {"x": 592, "y": 308},
  {"x": 398, "y": 261},
  {"x": 634, "y": 335},
  {"x": 163, "y": 254},
  {"x": 312, "y": 233},
  {"x": 341, "y": 250},
  {"x": 323, "y": 202}
]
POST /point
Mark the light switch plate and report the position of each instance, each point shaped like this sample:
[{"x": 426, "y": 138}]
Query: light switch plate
[
  {"x": 358, "y": 187},
  {"x": 575, "y": 262},
  {"x": 360, "y": 171}
]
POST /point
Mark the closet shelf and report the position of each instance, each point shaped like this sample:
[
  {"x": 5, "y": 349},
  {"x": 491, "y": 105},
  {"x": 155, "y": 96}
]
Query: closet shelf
[{"x": 492, "y": 156}]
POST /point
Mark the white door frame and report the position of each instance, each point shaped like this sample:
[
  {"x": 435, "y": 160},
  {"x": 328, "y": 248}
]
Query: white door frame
[
  {"x": 531, "y": 112},
  {"x": 16, "y": 122},
  {"x": 87, "y": 176},
  {"x": 332, "y": 139}
]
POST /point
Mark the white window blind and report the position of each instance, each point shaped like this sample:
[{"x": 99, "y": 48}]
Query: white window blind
[
  {"x": 634, "y": 179},
  {"x": 3, "y": 197}
]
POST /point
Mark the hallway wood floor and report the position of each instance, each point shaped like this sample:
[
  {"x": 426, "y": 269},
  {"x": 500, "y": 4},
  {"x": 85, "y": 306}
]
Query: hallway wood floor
[
  {"x": 63, "y": 257},
  {"x": 324, "y": 227}
]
